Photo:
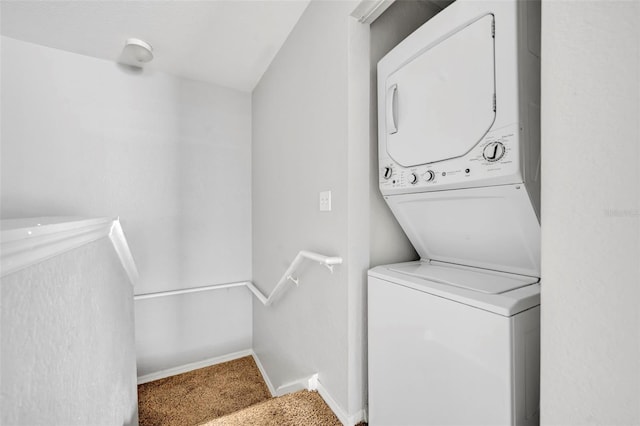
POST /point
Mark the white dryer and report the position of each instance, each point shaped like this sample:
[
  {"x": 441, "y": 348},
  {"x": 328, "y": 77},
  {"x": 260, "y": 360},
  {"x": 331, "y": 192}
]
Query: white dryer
[{"x": 454, "y": 337}]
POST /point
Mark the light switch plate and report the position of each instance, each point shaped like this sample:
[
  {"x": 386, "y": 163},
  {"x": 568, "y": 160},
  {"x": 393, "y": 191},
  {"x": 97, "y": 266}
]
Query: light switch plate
[{"x": 325, "y": 201}]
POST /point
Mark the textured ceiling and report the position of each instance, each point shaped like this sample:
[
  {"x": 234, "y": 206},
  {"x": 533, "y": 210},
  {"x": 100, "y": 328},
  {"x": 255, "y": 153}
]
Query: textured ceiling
[{"x": 227, "y": 42}]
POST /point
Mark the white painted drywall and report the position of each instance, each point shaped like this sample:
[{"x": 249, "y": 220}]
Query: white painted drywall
[
  {"x": 84, "y": 137},
  {"x": 218, "y": 323},
  {"x": 67, "y": 341},
  {"x": 300, "y": 148},
  {"x": 590, "y": 213}
]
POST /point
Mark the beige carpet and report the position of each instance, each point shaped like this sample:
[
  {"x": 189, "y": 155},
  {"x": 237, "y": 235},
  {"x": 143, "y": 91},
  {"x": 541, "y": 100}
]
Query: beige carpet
[
  {"x": 230, "y": 394},
  {"x": 201, "y": 395},
  {"x": 295, "y": 409}
]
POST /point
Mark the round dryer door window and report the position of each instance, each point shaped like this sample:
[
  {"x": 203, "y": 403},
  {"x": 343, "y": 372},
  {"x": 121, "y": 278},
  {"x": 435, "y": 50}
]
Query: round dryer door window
[{"x": 442, "y": 103}]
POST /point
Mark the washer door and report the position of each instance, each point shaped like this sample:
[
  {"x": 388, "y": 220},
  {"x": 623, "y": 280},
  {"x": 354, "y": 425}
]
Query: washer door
[{"x": 440, "y": 105}]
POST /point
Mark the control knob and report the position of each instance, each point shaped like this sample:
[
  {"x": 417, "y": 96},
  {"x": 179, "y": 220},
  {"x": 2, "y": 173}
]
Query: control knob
[
  {"x": 493, "y": 151},
  {"x": 387, "y": 172},
  {"x": 429, "y": 176},
  {"x": 413, "y": 178}
]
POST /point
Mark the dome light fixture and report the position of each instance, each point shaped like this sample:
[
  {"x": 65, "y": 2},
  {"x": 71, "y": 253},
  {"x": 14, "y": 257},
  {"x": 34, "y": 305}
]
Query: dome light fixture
[{"x": 136, "y": 53}]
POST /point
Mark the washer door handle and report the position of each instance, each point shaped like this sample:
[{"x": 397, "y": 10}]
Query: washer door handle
[{"x": 392, "y": 93}]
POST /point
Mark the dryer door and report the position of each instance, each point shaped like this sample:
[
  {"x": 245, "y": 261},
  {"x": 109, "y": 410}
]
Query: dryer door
[{"x": 440, "y": 104}]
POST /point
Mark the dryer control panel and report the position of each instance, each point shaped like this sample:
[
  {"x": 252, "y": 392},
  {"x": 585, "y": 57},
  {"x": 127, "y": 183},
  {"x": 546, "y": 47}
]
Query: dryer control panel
[{"x": 495, "y": 160}]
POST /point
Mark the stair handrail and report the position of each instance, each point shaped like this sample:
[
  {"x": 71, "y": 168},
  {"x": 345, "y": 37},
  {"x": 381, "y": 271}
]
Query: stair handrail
[{"x": 328, "y": 261}]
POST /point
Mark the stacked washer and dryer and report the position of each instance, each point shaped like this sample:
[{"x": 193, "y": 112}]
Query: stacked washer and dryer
[{"x": 454, "y": 339}]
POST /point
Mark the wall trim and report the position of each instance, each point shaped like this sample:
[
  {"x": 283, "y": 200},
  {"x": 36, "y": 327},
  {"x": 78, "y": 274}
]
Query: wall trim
[
  {"x": 265, "y": 376},
  {"x": 193, "y": 366},
  {"x": 297, "y": 385},
  {"x": 25, "y": 242},
  {"x": 119, "y": 241},
  {"x": 309, "y": 383},
  {"x": 345, "y": 419},
  {"x": 368, "y": 11}
]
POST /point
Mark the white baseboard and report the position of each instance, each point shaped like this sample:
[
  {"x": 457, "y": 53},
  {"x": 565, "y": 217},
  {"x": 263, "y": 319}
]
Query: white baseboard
[
  {"x": 265, "y": 376},
  {"x": 308, "y": 383},
  {"x": 291, "y": 387},
  {"x": 311, "y": 383},
  {"x": 194, "y": 366},
  {"x": 345, "y": 419},
  {"x": 360, "y": 416}
]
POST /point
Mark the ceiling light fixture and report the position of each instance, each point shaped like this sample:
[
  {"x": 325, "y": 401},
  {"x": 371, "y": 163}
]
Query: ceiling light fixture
[{"x": 136, "y": 52}]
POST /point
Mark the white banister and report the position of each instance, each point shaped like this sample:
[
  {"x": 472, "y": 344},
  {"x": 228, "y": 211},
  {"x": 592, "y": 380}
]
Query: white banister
[
  {"x": 327, "y": 261},
  {"x": 288, "y": 274},
  {"x": 190, "y": 290}
]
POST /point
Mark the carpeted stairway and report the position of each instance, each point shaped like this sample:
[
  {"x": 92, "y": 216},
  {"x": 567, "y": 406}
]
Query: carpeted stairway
[
  {"x": 229, "y": 394},
  {"x": 295, "y": 409}
]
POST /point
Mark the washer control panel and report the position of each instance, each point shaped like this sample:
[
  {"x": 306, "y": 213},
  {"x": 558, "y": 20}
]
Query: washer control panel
[{"x": 494, "y": 160}]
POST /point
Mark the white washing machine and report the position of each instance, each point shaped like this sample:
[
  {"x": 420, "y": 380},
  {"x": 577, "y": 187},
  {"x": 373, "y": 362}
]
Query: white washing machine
[
  {"x": 454, "y": 337},
  {"x": 452, "y": 346}
]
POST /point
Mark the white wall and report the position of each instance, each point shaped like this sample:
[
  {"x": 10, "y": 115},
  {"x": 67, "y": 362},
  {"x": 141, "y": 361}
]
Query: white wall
[
  {"x": 300, "y": 147},
  {"x": 590, "y": 213},
  {"x": 67, "y": 341},
  {"x": 170, "y": 156}
]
